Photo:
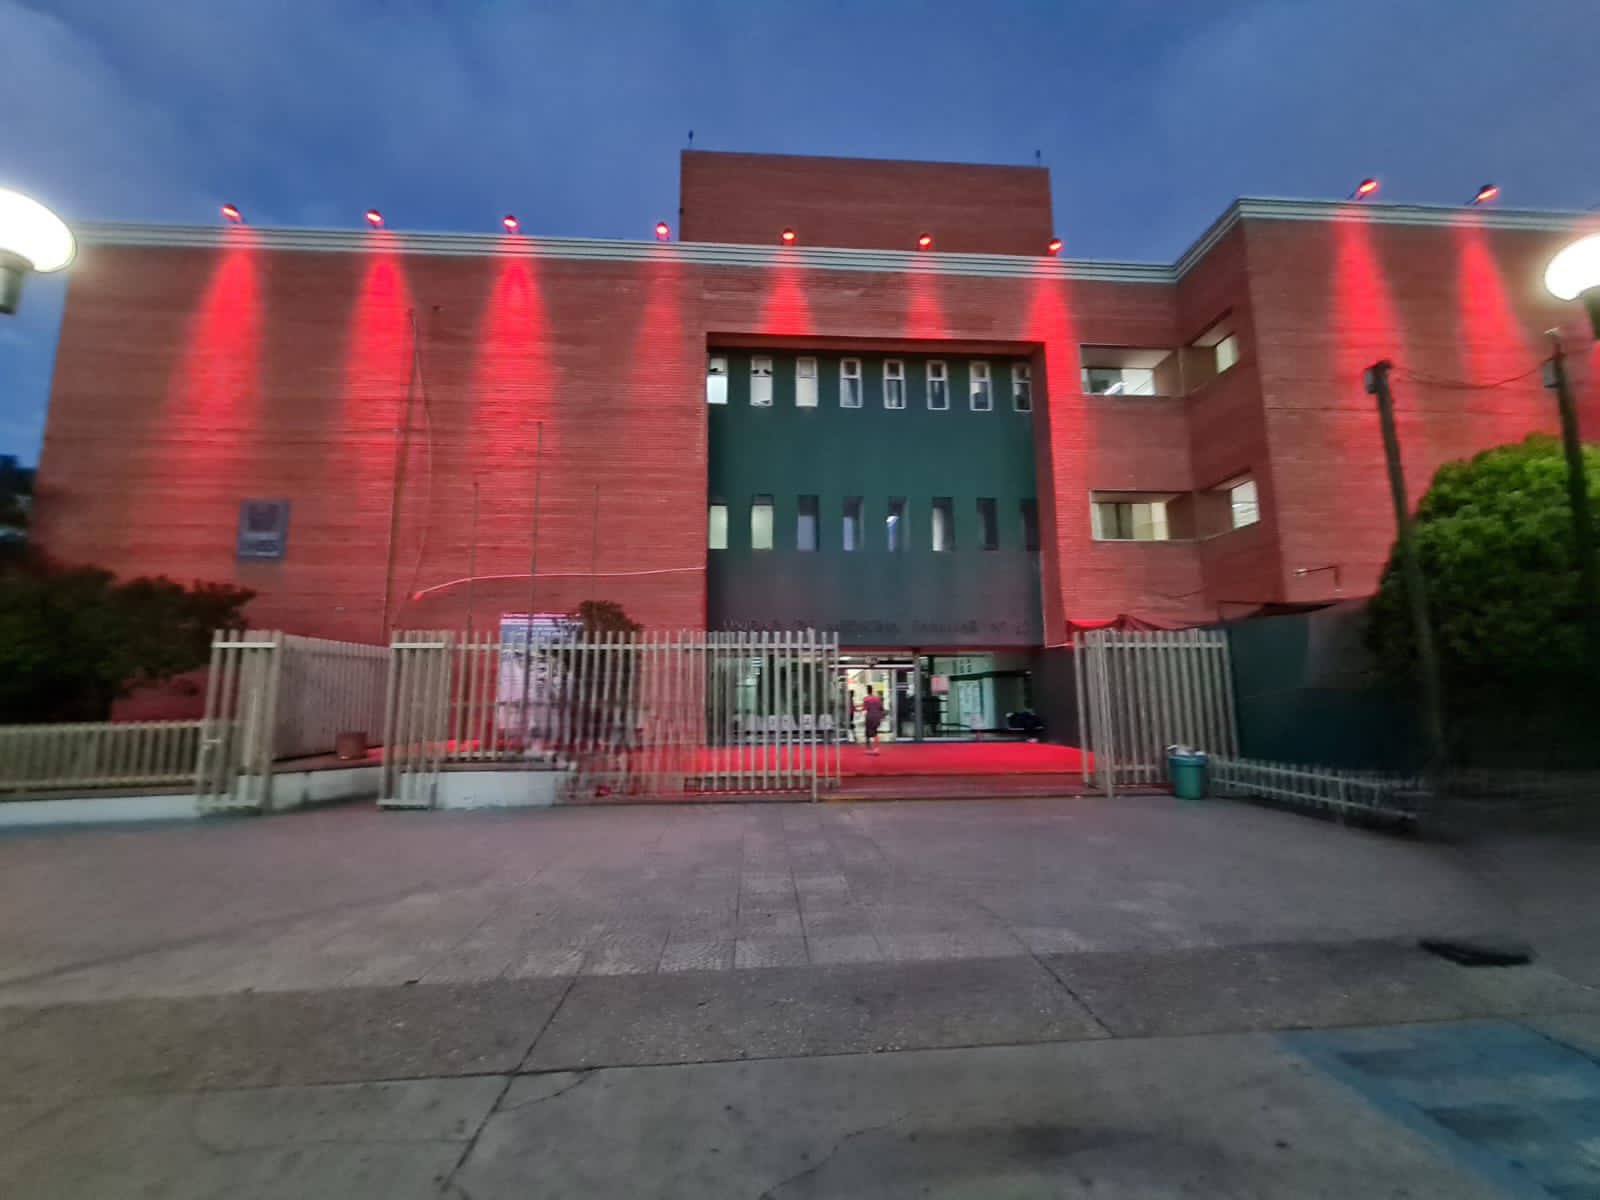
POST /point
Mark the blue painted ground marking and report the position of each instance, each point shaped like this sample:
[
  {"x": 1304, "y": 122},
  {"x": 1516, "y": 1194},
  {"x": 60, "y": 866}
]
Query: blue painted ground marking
[{"x": 1511, "y": 1105}]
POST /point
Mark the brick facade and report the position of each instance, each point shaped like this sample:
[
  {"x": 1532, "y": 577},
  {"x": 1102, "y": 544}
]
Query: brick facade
[{"x": 195, "y": 371}]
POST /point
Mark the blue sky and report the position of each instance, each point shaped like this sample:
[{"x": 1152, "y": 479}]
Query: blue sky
[{"x": 1151, "y": 114}]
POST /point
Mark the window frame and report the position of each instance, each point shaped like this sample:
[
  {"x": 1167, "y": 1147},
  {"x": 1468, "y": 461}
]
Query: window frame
[
  {"x": 1097, "y": 519},
  {"x": 899, "y": 364},
  {"x": 1232, "y": 487},
  {"x": 1231, "y": 341},
  {"x": 846, "y": 378},
  {"x": 801, "y": 379},
  {"x": 852, "y": 527},
  {"x": 712, "y": 362},
  {"x": 973, "y": 381},
  {"x": 988, "y": 523},
  {"x": 761, "y": 396},
  {"x": 759, "y": 501},
  {"x": 1021, "y": 387},
  {"x": 897, "y": 534},
  {"x": 943, "y": 379},
  {"x": 713, "y": 506},
  {"x": 808, "y": 507},
  {"x": 942, "y": 506},
  {"x": 1028, "y": 510}
]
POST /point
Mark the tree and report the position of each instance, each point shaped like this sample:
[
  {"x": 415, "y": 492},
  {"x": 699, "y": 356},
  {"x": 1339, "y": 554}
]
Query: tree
[
  {"x": 1494, "y": 536},
  {"x": 600, "y": 617},
  {"x": 74, "y": 639}
]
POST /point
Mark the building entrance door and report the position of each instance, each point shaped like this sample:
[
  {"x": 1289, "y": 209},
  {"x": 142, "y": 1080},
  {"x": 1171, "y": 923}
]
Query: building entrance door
[{"x": 894, "y": 683}]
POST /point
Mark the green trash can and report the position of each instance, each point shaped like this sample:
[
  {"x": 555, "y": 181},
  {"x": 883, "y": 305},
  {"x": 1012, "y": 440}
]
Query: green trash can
[{"x": 1187, "y": 770}]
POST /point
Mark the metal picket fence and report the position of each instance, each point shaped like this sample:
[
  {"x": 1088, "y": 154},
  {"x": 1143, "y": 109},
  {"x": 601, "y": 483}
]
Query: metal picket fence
[
  {"x": 272, "y": 697},
  {"x": 97, "y": 754},
  {"x": 657, "y": 715},
  {"x": 1341, "y": 793},
  {"x": 1140, "y": 692}
]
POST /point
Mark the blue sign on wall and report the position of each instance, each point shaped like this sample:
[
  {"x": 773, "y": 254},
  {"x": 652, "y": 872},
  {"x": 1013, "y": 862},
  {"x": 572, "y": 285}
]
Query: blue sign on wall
[{"x": 263, "y": 528}]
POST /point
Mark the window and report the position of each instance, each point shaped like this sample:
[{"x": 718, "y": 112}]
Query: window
[
  {"x": 1130, "y": 371},
  {"x": 894, "y": 525},
  {"x": 849, "y": 383},
  {"x": 850, "y": 536},
  {"x": 717, "y": 525},
  {"x": 761, "y": 523},
  {"x": 938, "y": 385},
  {"x": 1119, "y": 381},
  {"x": 1227, "y": 352},
  {"x": 1129, "y": 520},
  {"x": 761, "y": 382},
  {"x": 805, "y": 525},
  {"x": 982, "y": 390},
  {"x": 988, "y": 524},
  {"x": 1030, "y": 525},
  {"x": 805, "y": 383},
  {"x": 944, "y": 525},
  {"x": 716, "y": 380},
  {"x": 894, "y": 383},
  {"x": 1245, "y": 506},
  {"x": 1021, "y": 387}
]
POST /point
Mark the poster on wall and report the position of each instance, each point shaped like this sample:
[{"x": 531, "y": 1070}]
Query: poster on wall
[
  {"x": 263, "y": 529},
  {"x": 529, "y": 687}
]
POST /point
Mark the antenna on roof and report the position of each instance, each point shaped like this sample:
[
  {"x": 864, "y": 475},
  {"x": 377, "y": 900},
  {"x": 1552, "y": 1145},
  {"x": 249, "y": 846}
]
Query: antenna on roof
[
  {"x": 691, "y": 139},
  {"x": 1038, "y": 158}
]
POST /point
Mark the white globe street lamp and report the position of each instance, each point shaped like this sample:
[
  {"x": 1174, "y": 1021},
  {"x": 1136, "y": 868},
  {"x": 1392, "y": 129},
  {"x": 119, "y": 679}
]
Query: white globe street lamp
[
  {"x": 32, "y": 238},
  {"x": 1575, "y": 272}
]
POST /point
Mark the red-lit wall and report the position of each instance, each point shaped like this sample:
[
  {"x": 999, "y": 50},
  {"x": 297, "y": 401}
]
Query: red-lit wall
[
  {"x": 864, "y": 203},
  {"x": 189, "y": 379},
  {"x": 1461, "y": 311}
]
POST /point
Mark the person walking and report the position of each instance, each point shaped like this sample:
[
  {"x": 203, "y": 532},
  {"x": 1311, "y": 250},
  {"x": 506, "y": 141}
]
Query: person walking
[{"x": 871, "y": 709}]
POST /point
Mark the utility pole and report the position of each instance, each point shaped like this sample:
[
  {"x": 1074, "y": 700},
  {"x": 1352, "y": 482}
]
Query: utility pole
[
  {"x": 402, "y": 452},
  {"x": 472, "y": 559},
  {"x": 1555, "y": 378},
  {"x": 1377, "y": 382},
  {"x": 533, "y": 580}
]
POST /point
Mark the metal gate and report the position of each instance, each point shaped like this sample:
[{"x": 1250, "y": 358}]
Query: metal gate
[
  {"x": 623, "y": 716},
  {"x": 1140, "y": 692}
]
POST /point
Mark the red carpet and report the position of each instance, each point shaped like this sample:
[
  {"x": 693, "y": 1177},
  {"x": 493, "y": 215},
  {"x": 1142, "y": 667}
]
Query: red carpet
[{"x": 907, "y": 758}]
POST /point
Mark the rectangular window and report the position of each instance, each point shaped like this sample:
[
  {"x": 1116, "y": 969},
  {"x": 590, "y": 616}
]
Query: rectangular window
[
  {"x": 1130, "y": 520},
  {"x": 1244, "y": 503},
  {"x": 805, "y": 525},
  {"x": 761, "y": 523},
  {"x": 894, "y": 383},
  {"x": 805, "y": 383},
  {"x": 761, "y": 382},
  {"x": 1030, "y": 525},
  {"x": 717, "y": 525},
  {"x": 716, "y": 379},
  {"x": 1227, "y": 352},
  {"x": 849, "y": 383},
  {"x": 982, "y": 389},
  {"x": 1119, "y": 381},
  {"x": 850, "y": 535},
  {"x": 944, "y": 524},
  {"x": 938, "y": 385},
  {"x": 1021, "y": 387},
  {"x": 988, "y": 524},
  {"x": 894, "y": 525}
]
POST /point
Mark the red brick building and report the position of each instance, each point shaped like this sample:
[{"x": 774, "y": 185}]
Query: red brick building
[{"x": 1212, "y": 408}]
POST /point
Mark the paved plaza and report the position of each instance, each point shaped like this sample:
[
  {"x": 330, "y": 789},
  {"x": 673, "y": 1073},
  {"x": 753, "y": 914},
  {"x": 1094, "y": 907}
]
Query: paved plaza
[{"x": 1017, "y": 998}]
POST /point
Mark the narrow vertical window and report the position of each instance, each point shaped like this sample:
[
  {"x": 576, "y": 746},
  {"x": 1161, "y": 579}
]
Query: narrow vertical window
[
  {"x": 849, "y": 383},
  {"x": 761, "y": 382},
  {"x": 1030, "y": 525},
  {"x": 716, "y": 379},
  {"x": 850, "y": 536},
  {"x": 717, "y": 525},
  {"x": 1227, "y": 352},
  {"x": 805, "y": 524},
  {"x": 894, "y": 525},
  {"x": 938, "y": 385},
  {"x": 805, "y": 383},
  {"x": 1021, "y": 387},
  {"x": 894, "y": 383},
  {"x": 944, "y": 524},
  {"x": 988, "y": 524},
  {"x": 1244, "y": 503},
  {"x": 982, "y": 387},
  {"x": 761, "y": 523}
]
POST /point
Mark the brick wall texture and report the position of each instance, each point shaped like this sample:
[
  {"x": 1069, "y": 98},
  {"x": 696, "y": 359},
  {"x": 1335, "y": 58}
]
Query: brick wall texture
[{"x": 553, "y": 391}]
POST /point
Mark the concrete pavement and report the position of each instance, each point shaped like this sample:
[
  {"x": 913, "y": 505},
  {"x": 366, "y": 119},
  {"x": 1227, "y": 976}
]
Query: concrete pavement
[{"x": 1044, "y": 999}]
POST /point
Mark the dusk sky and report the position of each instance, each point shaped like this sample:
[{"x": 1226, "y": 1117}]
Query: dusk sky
[{"x": 1151, "y": 114}]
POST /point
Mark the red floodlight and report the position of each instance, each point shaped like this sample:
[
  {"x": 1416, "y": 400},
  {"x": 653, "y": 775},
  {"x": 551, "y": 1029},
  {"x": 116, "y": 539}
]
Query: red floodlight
[
  {"x": 232, "y": 213},
  {"x": 1055, "y": 246},
  {"x": 925, "y": 241},
  {"x": 663, "y": 232},
  {"x": 511, "y": 223},
  {"x": 374, "y": 218},
  {"x": 788, "y": 236},
  {"x": 1486, "y": 193},
  {"x": 1366, "y": 188}
]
